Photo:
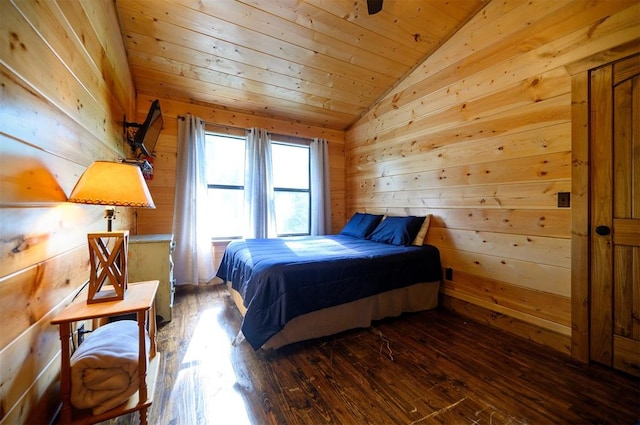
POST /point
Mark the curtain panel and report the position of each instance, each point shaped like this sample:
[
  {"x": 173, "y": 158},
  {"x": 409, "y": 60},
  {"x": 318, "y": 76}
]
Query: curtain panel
[
  {"x": 259, "y": 204},
  {"x": 319, "y": 187},
  {"x": 193, "y": 257}
]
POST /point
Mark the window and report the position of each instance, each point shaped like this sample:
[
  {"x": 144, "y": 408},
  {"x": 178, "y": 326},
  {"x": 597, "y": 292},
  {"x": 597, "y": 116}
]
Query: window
[
  {"x": 225, "y": 178},
  {"x": 291, "y": 186},
  {"x": 225, "y": 181}
]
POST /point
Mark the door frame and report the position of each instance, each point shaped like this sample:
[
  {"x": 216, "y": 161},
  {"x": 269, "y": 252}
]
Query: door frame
[{"x": 580, "y": 176}]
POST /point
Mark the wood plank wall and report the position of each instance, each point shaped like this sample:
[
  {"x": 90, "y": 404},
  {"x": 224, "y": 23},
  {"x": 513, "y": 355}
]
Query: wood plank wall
[
  {"x": 479, "y": 136},
  {"x": 65, "y": 87},
  {"x": 163, "y": 184}
]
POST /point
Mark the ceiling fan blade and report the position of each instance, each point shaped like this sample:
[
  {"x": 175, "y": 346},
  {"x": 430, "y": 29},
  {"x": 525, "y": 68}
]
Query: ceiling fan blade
[{"x": 374, "y": 6}]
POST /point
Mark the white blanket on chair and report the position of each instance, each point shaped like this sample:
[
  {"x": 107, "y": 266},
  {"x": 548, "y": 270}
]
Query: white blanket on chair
[{"x": 104, "y": 369}]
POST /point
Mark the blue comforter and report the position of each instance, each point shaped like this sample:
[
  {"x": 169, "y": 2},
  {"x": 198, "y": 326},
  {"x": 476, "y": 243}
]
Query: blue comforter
[{"x": 280, "y": 279}]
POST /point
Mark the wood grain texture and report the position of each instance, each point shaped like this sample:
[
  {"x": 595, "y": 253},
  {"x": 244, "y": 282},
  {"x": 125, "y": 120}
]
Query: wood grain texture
[
  {"x": 427, "y": 367},
  {"x": 625, "y": 148},
  {"x": 582, "y": 174},
  {"x": 65, "y": 89},
  {"x": 549, "y": 311},
  {"x": 500, "y": 92},
  {"x": 312, "y": 61},
  {"x": 163, "y": 185},
  {"x": 480, "y": 137},
  {"x": 601, "y": 212}
]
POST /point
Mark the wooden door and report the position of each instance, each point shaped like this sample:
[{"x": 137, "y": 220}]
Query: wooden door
[{"x": 615, "y": 215}]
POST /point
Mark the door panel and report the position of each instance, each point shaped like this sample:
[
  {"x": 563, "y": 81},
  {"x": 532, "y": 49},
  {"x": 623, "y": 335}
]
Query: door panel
[
  {"x": 615, "y": 206},
  {"x": 601, "y": 118}
]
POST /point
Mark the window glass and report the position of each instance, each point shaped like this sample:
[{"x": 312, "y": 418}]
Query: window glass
[
  {"x": 290, "y": 166},
  {"x": 225, "y": 160},
  {"x": 292, "y": 212},
  {"x": 226, "y": 207},
  {"x": 291, "y": 185},
  {"x": 225, "y": 179}
]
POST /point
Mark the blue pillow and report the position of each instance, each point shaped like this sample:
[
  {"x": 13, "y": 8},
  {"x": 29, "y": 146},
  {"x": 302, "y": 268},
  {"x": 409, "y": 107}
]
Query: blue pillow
[
  {"x": 397, "y": 230},
  {"x": 361, "y": 225}
]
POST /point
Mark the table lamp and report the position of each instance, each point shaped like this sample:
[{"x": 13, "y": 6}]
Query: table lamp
[{"x": 112, "y": 184}]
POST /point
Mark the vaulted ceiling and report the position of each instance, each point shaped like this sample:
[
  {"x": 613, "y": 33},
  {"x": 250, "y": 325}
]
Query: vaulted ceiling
[{"x": 322, "y": 62}]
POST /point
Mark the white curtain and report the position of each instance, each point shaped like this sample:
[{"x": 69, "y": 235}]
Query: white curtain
[
  {"x": 259, "y": 206},
  {"x": 193, "y": 258},
  {"x": 319, "y": 186}
]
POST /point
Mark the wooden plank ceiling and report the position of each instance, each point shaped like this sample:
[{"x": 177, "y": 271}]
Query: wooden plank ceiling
[{"x": 322, "y": 62}]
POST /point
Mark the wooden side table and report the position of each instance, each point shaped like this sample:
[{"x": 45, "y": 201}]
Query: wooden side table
[{"x": 139, "y": 299}]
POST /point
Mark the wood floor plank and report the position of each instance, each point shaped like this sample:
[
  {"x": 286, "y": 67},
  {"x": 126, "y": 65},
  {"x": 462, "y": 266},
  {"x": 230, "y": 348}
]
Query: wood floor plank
[{"x": 422, "y": 368}]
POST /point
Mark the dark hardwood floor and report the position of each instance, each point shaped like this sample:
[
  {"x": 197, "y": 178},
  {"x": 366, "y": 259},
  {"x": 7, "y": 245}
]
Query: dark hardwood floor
[{"x": 422, "y": 368}]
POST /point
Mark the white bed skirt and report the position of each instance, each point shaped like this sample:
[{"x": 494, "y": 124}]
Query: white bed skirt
[{"x": 356, "y": 314}]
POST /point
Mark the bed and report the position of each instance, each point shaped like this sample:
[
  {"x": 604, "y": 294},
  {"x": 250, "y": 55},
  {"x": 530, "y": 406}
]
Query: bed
[{"x": 298, "y": 288}]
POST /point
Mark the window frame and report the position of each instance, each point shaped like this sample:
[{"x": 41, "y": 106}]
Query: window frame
[
  {"x": 278, "y": 139},
  {"x": 225, "y": 186},
  {"x": 296, "y": 142}
]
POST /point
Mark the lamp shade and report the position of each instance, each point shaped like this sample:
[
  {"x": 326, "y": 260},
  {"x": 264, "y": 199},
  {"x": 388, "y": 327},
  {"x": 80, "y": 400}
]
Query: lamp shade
[{"x": 112, "y": 183}]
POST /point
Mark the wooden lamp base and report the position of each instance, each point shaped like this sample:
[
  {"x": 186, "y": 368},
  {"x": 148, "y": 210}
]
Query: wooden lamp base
[{"x": 108, "y": 258}]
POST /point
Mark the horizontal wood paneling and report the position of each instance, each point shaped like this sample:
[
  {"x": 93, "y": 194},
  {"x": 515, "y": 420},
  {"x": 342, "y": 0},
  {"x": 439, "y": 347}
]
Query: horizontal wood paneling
[
  {"x": 440, "y": 107},
  {"x": 535, "y": 249},
  {"x": 479, "y": 136},
  {"x": 320, "y": 62},
  {"x": 163, "y": 185},
  {"x": 47, "y": 282},
  {"x": 518, "y": 326},
  {"x": 552, "y": 279},
  {"x": 532, "y": 169},
  {"x": 438, "y": 153},
  {"x": 489, "y": 57},
  {"x": 549, "y": 312},
  {"x": 512, "y": 196},
  {"x": 90, "y": 108},
  {"x": 65, "y": 89},
  {"x": 34, "y": 355},
  {"x": 512, "y": 122}
]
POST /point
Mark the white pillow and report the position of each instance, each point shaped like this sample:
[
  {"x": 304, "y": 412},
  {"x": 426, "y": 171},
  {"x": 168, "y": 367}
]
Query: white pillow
[{"x": 422, "y": 233}]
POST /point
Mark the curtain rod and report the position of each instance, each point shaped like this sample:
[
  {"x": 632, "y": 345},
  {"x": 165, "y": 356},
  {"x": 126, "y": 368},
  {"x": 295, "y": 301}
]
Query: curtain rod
[
  {"x": 232, "y": 127},
  {"x": 182, "y": 117},
  {"x": 207, "y": 123}
]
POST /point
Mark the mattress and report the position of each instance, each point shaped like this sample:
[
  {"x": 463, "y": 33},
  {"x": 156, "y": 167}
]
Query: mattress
[
  {"x": 281, "y": 279},
  {"x": 357, "y": 314}
]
